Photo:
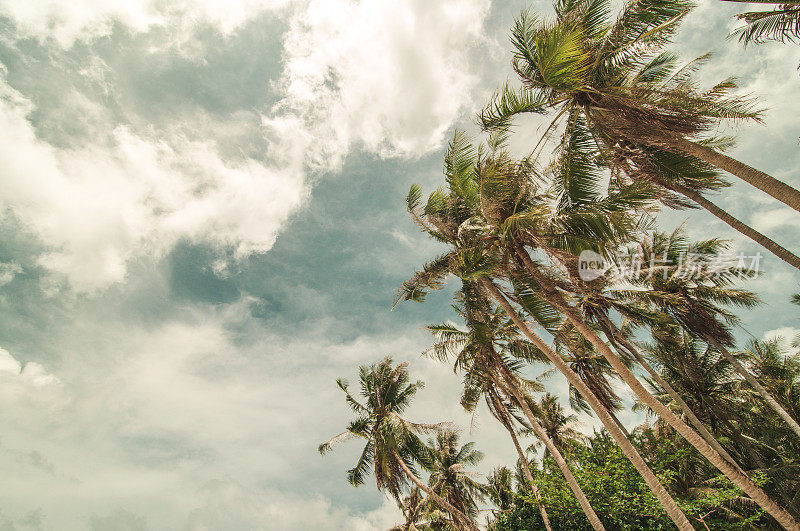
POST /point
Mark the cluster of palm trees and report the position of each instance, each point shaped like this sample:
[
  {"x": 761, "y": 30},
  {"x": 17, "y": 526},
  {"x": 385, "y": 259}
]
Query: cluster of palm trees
[{"x": 633, "y": 133}]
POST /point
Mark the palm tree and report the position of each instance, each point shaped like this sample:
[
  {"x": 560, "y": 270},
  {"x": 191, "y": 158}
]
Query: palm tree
[
  {"x": 491, "y": 374},
  {"x": 460, "y": 218},
  {"x": 596, "y": 299},
  {"x": 593, "y": 369},
  {"x": 500, "y": 490},
  {"x": 625, "y": 346},
  {"x": 781, "y": 24},
  {"x": 392, "y": 442},
  {"x": 695, "y": 301},
  {"x": 772, "y": 364},
  {"x": 712, "y": 386},
  {"x": 519, "y": 223},
  {"x": 556, "y": 299},
  {"x": 558, "y": 424},
  {"x": 501, "y": 411},
  {"x": 449, "y": 478},
  {"x": 706, "y": 381},
  {"x": 415, "y": 511},
  {"x": 605, "y": 75},
  {"x": 658, "y": 490}
]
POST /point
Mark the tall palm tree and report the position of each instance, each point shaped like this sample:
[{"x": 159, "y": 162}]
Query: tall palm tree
[
  {"x": 596, "y": 300},
  {"x": 709, "y": 383},
  {"x": 501, "y": 488},
  {"x": 779, "y": 369},
  {"x": 691, "y": 178},
  {"x": 415, "y": 511},
  {"x": 706, "y": 381},
  {"x": 624, "y": 346},
  {"x": 459, "y": 215},
  {"x": 658, "y": 490},
  {"x": 501, "y": 411},
  {"x": 518, "y": 220},
  {"x": 607, "y": 76},
  {"x": 448, "y": 464},
  {"x": 392, "y": 442},
  {"x": 559, "y": 425},
  {"x": 593, "y": 369},
  {"x": 481, "y": 353},
  {"x": 554, "y": 297}
]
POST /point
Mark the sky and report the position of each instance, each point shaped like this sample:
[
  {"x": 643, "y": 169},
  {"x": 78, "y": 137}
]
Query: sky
[{"x": 203, "y": 226}]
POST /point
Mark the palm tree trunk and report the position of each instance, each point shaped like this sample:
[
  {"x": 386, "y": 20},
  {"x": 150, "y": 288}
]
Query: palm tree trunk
[
  {"x": 754, "y": 383},
  {"x": 621, "y": 426},
  {"x": 526, "y": 471},
  {"x": 764, "y": 182},
  {"x": 511, "y": 387},
  {"x": 458, "y": 516},
  {"x": 615, "y": 336},
  {"x": 661, "y": 494},
  {"x": 739, "y": 479},
  {"x": 766, "y": 242}
]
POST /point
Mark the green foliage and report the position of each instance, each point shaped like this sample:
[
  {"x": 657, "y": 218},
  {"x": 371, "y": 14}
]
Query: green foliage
[{"x": 618, "y": 494}]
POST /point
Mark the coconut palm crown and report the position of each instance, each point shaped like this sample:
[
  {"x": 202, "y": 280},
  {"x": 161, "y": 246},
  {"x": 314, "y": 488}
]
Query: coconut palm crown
[{"x": 387, "y": 393}]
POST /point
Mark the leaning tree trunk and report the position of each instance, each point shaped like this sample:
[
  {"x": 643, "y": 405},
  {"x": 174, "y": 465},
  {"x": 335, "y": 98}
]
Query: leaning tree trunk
[
  {"x": 764, "y": 182},
  {"x": 458, "y": 516},
  {"x": 661, "y": 494},
  {"x": 615, "y": 336},
  {"x": 757, "y": 386},
  {"x": 511, "y": 387},
  {"x": 621, "y": 426},
  {"x": 739, "y": 479},
  {"x": 526, "y": 469},
  {"x": 766, "y": 242}
]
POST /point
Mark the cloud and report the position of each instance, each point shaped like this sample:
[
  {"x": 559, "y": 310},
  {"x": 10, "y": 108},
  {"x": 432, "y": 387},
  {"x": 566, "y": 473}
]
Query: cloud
[
  {"x": 390, "y": 77},
  {"x": 17, "y": 378},
  {"x": 28, "y": 392},
  {"x": 769, "y": 220},
  {"x": 203, "y": 420},
  {"x": 119, "y": 520},
  {"x": 8, "y": 270},
  {"x": 157, "y": 422},
  {"x": 84, "y": 20},
  {"x": 98, "y": 206},
  {"x": 231, "y": 506}
]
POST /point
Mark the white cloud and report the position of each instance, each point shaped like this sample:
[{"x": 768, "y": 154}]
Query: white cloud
[
  {"x": 26, "y": 388},
  {"x": 89, "y": 19},
  {"x": 387, "y": 77},
  {"x": 231, "y": 506},
  {"x": 8, "y": 270},
  {"x": 96, "y": 207},
  {"x": 768, "y": 220},
  {"x": 32, "y": 375},
  {"x": 391, "y": 77}
]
